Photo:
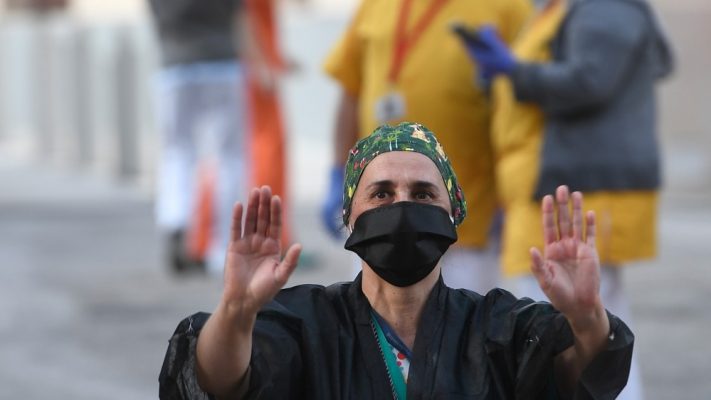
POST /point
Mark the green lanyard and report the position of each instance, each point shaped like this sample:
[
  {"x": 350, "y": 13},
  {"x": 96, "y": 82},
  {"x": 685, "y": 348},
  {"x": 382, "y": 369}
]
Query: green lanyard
[{"x": 396, "y": 377}]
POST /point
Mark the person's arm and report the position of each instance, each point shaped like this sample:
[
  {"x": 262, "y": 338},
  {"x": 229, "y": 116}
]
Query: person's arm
[
  {"x": 254, "y": 273},
  {"x": 152, "y": 6},
  {"x": 568, "y": 272},
  {"x": 157, "y": 14},
  {"x": 250, "y": 49},
  {"x": 604, "y": 39},
  {"x": 344, "y": 64},
  {"x": 345, "y": 133}
]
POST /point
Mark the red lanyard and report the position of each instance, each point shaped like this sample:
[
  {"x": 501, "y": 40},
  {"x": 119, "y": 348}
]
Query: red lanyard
[{"x": 404, "y": 41}]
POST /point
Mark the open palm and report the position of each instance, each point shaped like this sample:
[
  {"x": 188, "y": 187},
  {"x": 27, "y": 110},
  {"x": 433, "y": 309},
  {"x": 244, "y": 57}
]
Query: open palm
[
  {"x": 568, "y": 272},
  {"x": 254, "y": 270}
]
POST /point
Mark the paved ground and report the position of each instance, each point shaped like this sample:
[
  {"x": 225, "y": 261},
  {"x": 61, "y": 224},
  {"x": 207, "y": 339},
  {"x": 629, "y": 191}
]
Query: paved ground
[{"x": 86, "y": 307}]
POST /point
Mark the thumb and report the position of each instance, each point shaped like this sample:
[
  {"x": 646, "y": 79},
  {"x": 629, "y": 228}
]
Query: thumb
[
  {"x": 540, "y": 270},
  {"x": 288, "y": 264}
]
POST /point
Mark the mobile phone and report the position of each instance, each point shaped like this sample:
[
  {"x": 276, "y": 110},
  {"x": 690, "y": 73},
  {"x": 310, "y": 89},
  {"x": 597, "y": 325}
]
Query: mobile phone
[{"x": 469, "y": 35}]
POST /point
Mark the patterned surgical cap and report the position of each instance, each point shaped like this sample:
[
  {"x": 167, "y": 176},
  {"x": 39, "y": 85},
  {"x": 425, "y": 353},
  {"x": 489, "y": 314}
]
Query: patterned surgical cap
[{"x": 406, "y": 136}]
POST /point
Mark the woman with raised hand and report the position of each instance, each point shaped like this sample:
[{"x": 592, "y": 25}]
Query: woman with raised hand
[{"x": 397, "y": 331}]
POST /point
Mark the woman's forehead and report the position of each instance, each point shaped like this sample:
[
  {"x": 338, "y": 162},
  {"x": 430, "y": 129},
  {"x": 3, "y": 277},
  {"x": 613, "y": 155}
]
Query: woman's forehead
[{"x": 401, "y": 166}]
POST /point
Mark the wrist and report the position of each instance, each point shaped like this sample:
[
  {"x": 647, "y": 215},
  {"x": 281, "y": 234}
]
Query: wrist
[
  {"x": 594, "y": 324},
  {"x": 236, "y": 317}
]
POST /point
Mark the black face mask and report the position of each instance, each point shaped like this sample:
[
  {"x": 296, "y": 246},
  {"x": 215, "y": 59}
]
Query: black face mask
[{"x": 402, "y": 242}]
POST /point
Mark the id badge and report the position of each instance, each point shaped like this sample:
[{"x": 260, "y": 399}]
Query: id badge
[{"x": 390, "y": 107}]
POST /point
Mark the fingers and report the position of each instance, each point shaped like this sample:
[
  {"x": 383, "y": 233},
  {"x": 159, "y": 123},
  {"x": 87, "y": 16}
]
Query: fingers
[
  {"x": 263, "y": 214},
  {"x": 548, "y": 214},
  {"x": 264, "y": 210},
  {"x": 536, "y": 260},
  {"x": 258, "y": 211},
  {"x": 540, "y": 271},
  {"x": 288, "y": 264},
  {"x": 567, "y": 225},
  {"x": 590, "y": 228},
  {"x": 250, "y": 222},
  {"x": 236, "y": 230},
  {"x": 577, "y": 215},
  {"x": 561, "y": 197},
  {"x": 275, "y": 218}
]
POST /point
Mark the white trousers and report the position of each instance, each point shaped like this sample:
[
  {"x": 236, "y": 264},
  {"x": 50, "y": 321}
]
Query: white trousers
[
  {"x": 473, "y": 269},
  {"x": 613, "y": 297},
  {"x": 201, "y": 118}
]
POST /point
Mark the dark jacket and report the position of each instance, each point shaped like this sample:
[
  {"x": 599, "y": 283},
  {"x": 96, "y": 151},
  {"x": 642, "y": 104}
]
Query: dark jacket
[
  {"x": 313, "y": 342},
  {"x": 598, "y": 98},
  {"x": 191, "y": 31}
]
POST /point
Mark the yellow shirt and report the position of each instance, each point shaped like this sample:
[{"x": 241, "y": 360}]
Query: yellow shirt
[
  {"x": 437, "y": 82},
  {"x": 625, "y": 220}
]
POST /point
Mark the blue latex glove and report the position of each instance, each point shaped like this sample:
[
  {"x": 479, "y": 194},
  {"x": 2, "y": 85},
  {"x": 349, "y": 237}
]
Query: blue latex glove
[
  {"x": 487, "y": 49},
  {"x": 332, "y": 207}
]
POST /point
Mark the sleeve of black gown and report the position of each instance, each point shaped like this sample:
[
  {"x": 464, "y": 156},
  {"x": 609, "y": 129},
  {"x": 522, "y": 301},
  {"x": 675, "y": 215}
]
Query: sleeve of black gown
[
  {"x": 545, "y": 333},
  {"x": 178, "y": 378},
  {"x": 603, "y": 39},
  {"x": 525, "y": 338},
  {"x": 607, "y": 374},
  {"x": 274, "y": 369}
]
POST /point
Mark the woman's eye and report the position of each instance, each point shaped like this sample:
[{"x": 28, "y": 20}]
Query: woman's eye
[
  {"x": 423, "y": 196},
  {"x": 380, "y": 195}
]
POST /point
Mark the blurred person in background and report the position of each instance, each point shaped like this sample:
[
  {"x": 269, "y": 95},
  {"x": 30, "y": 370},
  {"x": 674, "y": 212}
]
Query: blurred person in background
[
  {"x": 38, "y": 5},
  {"x": 400, "y": 60},
  {"x": 397, "y": 330},
  {"x": 201, "y": 117},
  {"x": 574, "y": 103},
  {"x": 268, "y": 157}
]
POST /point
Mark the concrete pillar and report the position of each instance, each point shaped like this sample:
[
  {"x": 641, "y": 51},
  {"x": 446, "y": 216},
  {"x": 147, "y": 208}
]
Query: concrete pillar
[
  {"x": 128, "y": 124},
  {"x": 83, "y": 101}
]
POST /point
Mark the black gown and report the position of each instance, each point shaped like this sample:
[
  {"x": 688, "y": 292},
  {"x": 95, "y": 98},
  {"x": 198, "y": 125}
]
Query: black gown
[{"x": 315, "y": 342}]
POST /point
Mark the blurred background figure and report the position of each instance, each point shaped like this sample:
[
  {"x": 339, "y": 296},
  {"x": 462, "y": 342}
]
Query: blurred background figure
[
  {"x": 201, "y": 119},
  {"x": 38, "y": 5},
  {"x": 576, "y": 104},
  {"x": 266, "y": 65},
  {"x": 50, "y": 19},
  {"x": 400, "y": 60}
]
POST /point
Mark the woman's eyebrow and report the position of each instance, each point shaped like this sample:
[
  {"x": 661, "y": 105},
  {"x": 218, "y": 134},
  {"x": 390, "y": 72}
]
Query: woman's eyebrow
[
  {"x": 380, "y": 184},
  {"x": 424, "y": 185},
  {"x": 418, "y": 185}
]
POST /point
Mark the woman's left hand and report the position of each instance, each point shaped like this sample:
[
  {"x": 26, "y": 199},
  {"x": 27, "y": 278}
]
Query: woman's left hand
[{"x": 568, "y": 272}]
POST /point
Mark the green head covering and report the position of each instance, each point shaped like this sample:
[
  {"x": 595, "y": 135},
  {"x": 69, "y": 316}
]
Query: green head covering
[{"x": 406, "y": 136}]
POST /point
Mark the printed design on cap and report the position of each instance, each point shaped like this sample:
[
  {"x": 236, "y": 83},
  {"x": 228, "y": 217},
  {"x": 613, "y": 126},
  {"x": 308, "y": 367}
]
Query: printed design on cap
[{"x": 406, "y": 136}]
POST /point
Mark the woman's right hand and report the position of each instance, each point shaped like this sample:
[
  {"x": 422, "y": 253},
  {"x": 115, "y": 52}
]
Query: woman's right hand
[
  {"x": 254, "y": 273},
  {"x": 254, "y": 269}
]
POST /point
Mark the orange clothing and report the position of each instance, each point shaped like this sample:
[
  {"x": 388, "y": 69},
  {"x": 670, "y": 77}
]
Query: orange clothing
[
  {"x": 266, "y": 129},
  {"x": 200, "y": 230},
  {"x": 265, "y": 33}
]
